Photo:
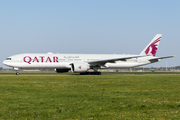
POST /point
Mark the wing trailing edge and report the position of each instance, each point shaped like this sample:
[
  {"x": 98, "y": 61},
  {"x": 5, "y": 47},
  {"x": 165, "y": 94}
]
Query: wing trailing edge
[{"x": 102, "y": 62}]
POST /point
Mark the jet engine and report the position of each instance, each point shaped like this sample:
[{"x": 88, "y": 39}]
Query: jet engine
[
  {"x": 79, "y": 67},
  {"x": 61, "y": 70}
]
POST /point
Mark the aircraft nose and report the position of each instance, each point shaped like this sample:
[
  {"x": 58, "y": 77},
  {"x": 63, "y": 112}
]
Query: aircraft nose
[{"x": 5, "y": 62}]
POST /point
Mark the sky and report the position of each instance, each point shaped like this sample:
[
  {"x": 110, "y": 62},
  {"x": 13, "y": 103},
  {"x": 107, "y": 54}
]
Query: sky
[{"x": 89, "y": 27}]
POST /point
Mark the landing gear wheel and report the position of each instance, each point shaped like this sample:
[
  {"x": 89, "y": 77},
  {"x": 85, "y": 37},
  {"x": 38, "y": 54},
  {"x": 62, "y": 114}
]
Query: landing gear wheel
[
  {"x": 91, "y": 73},
  {"x": 17, "y": 73},
  {"x": 99, "y": 73}
]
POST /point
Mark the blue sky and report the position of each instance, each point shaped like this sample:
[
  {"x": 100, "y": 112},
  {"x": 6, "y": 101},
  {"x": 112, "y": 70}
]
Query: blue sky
[{"x": 91, "y": 26}]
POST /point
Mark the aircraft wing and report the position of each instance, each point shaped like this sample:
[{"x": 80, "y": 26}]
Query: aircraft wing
[{"x": 102, "y": 62}]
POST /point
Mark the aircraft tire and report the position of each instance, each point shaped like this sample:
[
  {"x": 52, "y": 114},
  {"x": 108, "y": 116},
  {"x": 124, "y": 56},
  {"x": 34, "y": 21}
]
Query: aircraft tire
[
  {"x": 17, "y": 73},
  {"x": 91, "y": 73},
  {"x": 86, "y": 73}
]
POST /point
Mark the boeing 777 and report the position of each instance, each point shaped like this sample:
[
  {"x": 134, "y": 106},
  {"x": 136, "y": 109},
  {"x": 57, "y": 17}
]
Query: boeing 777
[{"x": 81, "y": 63}]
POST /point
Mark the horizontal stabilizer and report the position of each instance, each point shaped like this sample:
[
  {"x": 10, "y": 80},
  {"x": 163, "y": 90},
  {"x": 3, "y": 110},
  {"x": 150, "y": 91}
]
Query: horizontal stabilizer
[{"x": 156, "y": 58}]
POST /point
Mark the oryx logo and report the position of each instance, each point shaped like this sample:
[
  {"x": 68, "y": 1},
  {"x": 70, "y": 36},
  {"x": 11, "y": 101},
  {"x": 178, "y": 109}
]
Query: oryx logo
[
  {"x": 79, "y": 67},
  {"x": 152, "y": 49}
]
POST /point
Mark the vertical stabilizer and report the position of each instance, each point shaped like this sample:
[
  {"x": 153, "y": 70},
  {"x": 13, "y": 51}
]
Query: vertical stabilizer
[{"x": 152, "y": 47}]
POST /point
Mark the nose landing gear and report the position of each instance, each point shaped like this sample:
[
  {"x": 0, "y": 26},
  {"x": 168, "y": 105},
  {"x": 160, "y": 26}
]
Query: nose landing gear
[
  {"x": 17, "y": 73},
  {"x": 17, "y": 69}
]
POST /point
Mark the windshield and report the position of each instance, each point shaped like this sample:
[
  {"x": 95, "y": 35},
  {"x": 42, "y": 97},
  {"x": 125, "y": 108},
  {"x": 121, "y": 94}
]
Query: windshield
[{"x": 8, "y": 58}]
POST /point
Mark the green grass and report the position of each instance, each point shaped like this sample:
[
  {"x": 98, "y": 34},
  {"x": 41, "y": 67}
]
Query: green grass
[{"x": 90, "y": 97}]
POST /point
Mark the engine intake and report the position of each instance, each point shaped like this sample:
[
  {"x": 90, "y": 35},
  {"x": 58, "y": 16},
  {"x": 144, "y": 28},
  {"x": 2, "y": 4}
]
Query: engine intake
[{"x": 79, "y": 67}]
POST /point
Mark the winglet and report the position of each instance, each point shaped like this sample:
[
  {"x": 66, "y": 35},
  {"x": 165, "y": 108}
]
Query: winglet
[{"x": 151, "y": 48}]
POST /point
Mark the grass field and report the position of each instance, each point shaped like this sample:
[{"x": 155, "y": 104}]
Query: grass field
[{"x": 109, "y": 97}]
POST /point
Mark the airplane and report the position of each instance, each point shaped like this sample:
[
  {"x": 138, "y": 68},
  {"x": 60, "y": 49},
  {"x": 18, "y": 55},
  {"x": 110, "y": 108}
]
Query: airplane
[{"x": 82, "y": 63}]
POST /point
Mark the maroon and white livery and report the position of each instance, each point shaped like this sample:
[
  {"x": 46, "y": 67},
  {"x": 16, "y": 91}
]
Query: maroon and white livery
[
  {"x": 81, "y": 63},
  {"x": 151, "y": 49}
]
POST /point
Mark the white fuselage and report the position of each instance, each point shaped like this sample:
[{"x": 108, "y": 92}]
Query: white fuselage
[{"x": 63, "y": 61}]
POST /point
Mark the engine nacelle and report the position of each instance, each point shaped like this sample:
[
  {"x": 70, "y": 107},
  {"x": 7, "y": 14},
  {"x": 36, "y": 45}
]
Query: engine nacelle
[
  {"x": 79, "y": 67},
  {"x": 61, "y": 70}
]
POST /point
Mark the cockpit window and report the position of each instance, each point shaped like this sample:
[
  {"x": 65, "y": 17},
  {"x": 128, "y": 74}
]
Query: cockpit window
[{"x": 8, "y": 58}]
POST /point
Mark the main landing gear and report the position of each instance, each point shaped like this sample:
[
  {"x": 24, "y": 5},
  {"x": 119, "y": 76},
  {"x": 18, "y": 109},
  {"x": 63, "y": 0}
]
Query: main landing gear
[{"x": 91, "y": 73}]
